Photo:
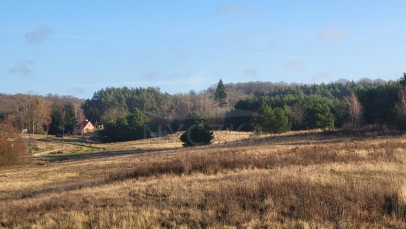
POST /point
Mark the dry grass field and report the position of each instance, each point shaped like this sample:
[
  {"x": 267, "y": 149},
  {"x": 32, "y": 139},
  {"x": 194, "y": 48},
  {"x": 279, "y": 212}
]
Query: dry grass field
[{"x": 295, "y": 180}]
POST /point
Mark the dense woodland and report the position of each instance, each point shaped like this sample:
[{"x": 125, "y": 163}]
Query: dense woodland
[{"x": 130, "y": 113}]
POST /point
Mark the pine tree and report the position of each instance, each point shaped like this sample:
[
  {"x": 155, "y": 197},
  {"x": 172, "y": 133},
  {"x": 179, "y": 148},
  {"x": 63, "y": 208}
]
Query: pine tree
[
  {"x": 197, "y": 132},
  {"x": 323, "y": 118},
  {"x": 69, "y": 119},
  {"x": 273, "y": 120},
  {"x": 57, "y": 121},
  {"x": 280, "y": 123},
  {"x": 266, "y": 118},
  {"x": 220, "y": 94}
]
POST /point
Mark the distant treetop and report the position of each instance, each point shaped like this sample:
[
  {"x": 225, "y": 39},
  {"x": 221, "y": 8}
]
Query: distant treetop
[{"x": 220, "y": 94}]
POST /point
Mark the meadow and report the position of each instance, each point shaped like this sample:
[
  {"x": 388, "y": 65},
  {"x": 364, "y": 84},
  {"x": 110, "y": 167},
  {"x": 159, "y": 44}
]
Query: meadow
[{"x": 303, "y": 179}]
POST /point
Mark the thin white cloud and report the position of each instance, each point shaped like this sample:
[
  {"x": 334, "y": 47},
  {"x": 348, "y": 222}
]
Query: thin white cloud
[
  {"x": 78, "y": 37},
  {"x": 38, "y": 35},
  {"x": 149, "y": 76},
  {"x": 229, "y": 9},
  {"x": 22, "y": 67},
  {"x": 274, "y": 55},
  {"x": 236, "y": 39},
  {"x": 291, "y": 65},
  {"x": 199, "y": 78},
  {"x": 331, "y": 33},
  {"x": 195, "y": 79},
  {"x": 251, "y": 72},
  {"x": 321, "y": 77},
  {"x": 79, "y": 90},
  {"x": 11, "y": 31}
]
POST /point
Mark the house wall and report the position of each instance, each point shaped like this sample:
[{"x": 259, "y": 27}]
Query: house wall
[{"x": 88, "y": 128}]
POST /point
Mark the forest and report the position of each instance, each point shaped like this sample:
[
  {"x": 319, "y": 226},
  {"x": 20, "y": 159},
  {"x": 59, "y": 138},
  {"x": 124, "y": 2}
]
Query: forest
[{"x": 123, "y": 114}]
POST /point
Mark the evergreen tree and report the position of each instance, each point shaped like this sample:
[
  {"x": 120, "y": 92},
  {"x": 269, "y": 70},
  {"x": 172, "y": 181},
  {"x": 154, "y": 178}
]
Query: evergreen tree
[
  {"x": 220, "y": 94},
  {"x": 197, "y": 133},
  {"x": 281, "y": 122},
  {"x": 125, "y": 128},
  {"x": 93, "y": 115},
  {"x": 57, "y": 121},
  {"x": 136, "y": 125},
  {"x": 69, "y": 119},
  {"x": 266, "y": 118},
  {"x": 320, "y": 116},
  {"x": 121, "y": 130},
  {"x": 273, "y": 120},
  {"x": 137, "y": 119}
]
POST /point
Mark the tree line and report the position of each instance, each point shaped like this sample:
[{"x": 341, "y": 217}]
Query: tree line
[
  {"x": 41, "y": 114},
  {"x": 132, "y": 113},
  {"x": 333, "y": 105}
]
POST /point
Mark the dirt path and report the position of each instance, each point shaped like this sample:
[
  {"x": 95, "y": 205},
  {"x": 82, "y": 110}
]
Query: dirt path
[{"x": 66, "y": 147}]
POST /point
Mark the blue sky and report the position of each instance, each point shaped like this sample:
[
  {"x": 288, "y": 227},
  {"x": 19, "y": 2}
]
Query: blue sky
[{"x": 78, "y": 47}]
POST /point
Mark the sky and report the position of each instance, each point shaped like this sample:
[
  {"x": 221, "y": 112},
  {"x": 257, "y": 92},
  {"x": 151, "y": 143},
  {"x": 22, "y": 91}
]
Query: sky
[{"x": 79, "y": 47}]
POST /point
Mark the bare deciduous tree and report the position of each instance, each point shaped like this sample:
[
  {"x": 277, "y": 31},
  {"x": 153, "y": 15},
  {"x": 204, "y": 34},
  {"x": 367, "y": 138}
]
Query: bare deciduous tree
[
  {"x": 33, "y": 114},
  {"x": 354, "y": 110},
  {"x": 298, "y": 114},
  {"x": 402, "y": 101}
]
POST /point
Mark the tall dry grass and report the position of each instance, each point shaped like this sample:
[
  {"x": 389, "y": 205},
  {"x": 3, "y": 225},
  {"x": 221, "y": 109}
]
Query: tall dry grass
[{"x": 280, "y": 181}]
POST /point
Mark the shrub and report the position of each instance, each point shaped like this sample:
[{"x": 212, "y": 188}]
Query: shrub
[
  {"x": 197, "y": 132},
  {"x": 13, "y": 150}
]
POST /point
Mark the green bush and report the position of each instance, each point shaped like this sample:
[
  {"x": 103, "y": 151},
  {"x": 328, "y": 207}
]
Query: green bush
[{"x": 197, "y": 132}]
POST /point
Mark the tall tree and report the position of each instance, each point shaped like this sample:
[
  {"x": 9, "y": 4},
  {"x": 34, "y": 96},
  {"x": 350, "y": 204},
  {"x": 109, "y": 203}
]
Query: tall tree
[
  {"x": 69, "y": 119},
  {"x": 281, "y": 122},
  {"x": 273, "y": 120},
  {"x": 297, "y": 114},
  {"x": 220, "y": 94},
  {"x": 354, "y": 110},
  {"x": 402, "y": 101},
  {"x": 93, "y": 115},
  {"x": 33, "y": 114},
  {"x": 57, "y": 121},
  {"x": 266, "y": 118},
  {"x": 318, "y": 115},
  {"x": 401, "y": 109},
  {"x": 137, "y": 119}
]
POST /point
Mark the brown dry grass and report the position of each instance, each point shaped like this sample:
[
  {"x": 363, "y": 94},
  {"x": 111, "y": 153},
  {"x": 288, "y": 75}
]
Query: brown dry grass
[
  {"x": 12, "y": 148},
  {"x": 294, "y": 180}
]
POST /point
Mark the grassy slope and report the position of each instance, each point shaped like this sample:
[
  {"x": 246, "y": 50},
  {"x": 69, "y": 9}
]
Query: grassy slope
[{"x": 300, "y": 179}]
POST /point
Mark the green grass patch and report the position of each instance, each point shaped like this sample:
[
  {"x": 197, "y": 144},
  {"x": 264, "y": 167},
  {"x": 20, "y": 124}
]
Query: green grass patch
[{"x": 85, "y": 150}]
